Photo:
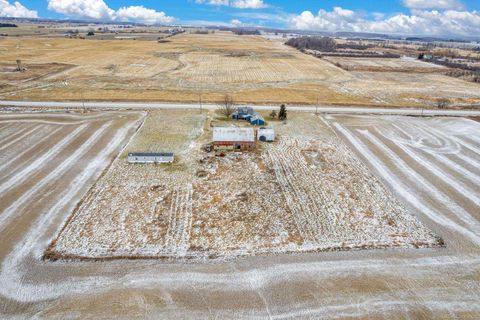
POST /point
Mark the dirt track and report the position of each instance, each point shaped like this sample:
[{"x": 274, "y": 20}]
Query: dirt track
[{"x": 426, "y": 283}]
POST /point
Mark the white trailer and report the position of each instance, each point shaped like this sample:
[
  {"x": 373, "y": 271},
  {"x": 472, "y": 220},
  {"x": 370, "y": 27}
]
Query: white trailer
[{"x": 142, "y": 157}]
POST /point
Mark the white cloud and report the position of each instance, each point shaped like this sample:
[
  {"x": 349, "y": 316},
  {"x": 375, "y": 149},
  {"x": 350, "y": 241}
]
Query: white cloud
[
  {"x": 16, "y": 10},
  {"x": 337, "y": 20},
  {"x": 236, "y": 23},
  {"x": 214, "y": 2},
  {"x": 93, "y": 9},
  {"x": 248, "y": 4},
  {"x": 99, "y": 10},
  {"x": 140, "y": 13},
  {"x": 419, "y": 22},
  {"x": 436, "y": 4},
  {"x": 241, "y": 4}
]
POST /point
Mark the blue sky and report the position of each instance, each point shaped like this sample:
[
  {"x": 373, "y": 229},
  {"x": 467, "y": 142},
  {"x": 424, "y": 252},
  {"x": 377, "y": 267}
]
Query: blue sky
[{"x": 422, "y": 17}]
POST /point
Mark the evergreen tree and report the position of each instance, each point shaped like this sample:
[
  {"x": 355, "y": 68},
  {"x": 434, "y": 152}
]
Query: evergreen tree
[{"x": 282, "y": 115}]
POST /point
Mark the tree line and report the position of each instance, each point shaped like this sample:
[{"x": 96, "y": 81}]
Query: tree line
[{"x": 324, "y": 44}]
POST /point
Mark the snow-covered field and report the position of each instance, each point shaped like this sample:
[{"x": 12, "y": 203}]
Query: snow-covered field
[
  {"x": 427, "y": 283},
  {"x": 305, "y": 192},
  {"x": 433, "y": 165},
  {"x": 404, "y": 64}
]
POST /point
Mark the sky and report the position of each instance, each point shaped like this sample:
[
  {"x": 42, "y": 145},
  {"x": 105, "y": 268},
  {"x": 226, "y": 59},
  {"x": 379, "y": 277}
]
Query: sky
[{"x": 405, "y": 17}]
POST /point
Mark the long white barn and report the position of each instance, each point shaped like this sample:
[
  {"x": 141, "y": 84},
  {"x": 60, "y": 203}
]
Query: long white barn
[{"x": 142, "y": 157}]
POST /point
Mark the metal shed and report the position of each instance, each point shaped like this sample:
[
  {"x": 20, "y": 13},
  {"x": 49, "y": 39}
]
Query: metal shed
[
  {"x": 257, "y": 120},
  {"x": 143, "y": 157},
  {"x": 266, "y": 134}
]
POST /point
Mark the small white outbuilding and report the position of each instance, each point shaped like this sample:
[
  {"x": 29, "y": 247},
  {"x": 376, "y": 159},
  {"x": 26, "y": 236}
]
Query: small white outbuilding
[{"x": 266, "y": 134}]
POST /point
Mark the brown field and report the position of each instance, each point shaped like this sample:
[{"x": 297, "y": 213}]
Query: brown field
[
  {"x": 304, "y": 192},
  {"x": 51, "y": 161},
  {"x": 385, "y": 65},
  {"x": 252, "y": 68}
]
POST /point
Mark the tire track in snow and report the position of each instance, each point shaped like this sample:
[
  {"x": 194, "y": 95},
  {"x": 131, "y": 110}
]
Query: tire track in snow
[
  {"x": 449, "y": 143},
  {"x": 51, "y": 177},
  {"x": 4, "y": 128},
  {"x": 402, "y": 189},
  {"x": 467, "y": 174},
  {"x": 469, "y": 160},
  {"x": 430, "y": 166},
  {"x": 295, "y": 202},
  {"x": 459, "y": 141},
  {"x": 36, "y": 165},
  {"x": 50, "y": 122},
  {"x": 183, "y": 239},
  {"x": 445, "y": 145},
  {"x": 418, "y": 178},
  {"x": 13, "y": 135},
  {"x": 11, "y": 273},
  {"x": 169, "y": 242},
  {"x": 384, "y": 306},
  {"x": 6, "y": 145},
  {"x": 33, "y": 146},
  {"x": 465, "y": 158},
  {"x": 180, "y": 222}
]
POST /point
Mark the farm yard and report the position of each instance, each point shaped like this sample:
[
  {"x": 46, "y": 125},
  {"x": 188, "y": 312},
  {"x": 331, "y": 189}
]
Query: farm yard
[
  {"x": 425, "y": 220},
  {"x": 253, "y": 69},
  {"x": 305, "y": 192}
]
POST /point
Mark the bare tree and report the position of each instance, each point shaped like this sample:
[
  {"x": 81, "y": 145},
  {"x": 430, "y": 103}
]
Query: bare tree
[
  {"x": 20, "y": 66},
  {"x": 273, "y": 114},
  {"x": 442, "y": 103},
  {"x": 227, "y": 105}
]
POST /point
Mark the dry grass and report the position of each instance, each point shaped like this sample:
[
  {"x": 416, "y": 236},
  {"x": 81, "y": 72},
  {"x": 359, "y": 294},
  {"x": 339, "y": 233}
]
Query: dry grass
[
  {"x": 305, "y": 192},
  {"x": 384, "y": 65},
  {"x": 251, "y": 68}
]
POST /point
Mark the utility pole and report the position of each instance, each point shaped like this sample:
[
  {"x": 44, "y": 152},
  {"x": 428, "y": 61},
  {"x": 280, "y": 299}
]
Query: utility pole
[{"x": 83, "y": 102}]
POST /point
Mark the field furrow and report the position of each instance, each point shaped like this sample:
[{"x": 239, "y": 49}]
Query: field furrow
[{"x": 36, "y": 165}]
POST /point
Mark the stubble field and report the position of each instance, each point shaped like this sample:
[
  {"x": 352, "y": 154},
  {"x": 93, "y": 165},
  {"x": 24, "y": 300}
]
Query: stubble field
[
  {"x": 304, "y": 192},
  {"x": 385, "y": 64},
  {"x": 432, "y": 164},
  {"x": 252, "y": 68},
  {"x": 429, "y": 165}
]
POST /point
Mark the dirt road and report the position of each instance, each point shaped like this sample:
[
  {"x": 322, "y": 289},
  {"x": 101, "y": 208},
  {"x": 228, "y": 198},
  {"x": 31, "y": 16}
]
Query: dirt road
[{"x": 302, "y": 108}]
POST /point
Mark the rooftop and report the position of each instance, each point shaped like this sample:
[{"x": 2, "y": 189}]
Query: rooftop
[{"x": 234, "y": 134}]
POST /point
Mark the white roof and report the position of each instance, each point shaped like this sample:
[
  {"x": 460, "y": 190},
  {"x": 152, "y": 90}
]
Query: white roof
[
  {"x": 233, "y": 134},
  {"x": 266, "y": 131}
]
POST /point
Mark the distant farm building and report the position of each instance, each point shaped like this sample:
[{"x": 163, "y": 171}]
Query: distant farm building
[
  {"x": 165, "y": 157},
  {"x": 233, "y": 138},
  {"x": 247, "y": 113},
  {"x": 266, "y": 134},
  {"x": 243, "y": 113}
]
